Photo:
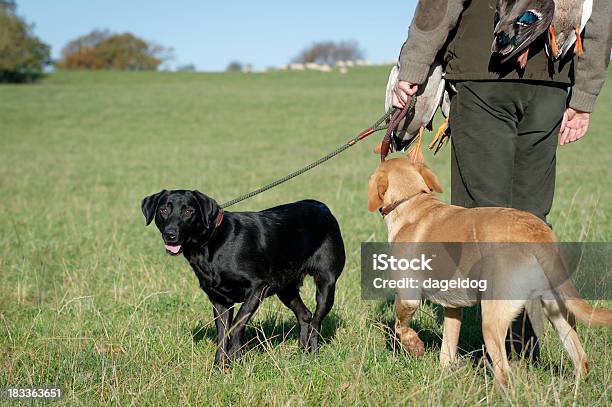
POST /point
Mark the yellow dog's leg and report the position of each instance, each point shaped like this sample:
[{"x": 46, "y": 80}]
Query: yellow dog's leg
[
  {"x": 404, "y": 311},
  {"x": 450, "y": 338}
]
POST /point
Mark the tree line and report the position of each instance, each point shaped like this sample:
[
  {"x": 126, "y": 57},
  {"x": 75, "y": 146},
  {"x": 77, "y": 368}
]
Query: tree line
[{"x": 106, "y": 50}]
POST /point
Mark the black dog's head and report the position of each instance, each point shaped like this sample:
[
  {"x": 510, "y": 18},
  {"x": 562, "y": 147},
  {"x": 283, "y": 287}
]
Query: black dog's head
[{"x": 184, "y": 218}]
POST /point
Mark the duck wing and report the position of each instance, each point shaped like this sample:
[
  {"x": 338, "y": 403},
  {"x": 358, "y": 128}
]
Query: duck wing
[
  {"x": 518, "y": 23},
  {"x": 587, "y": 10}
]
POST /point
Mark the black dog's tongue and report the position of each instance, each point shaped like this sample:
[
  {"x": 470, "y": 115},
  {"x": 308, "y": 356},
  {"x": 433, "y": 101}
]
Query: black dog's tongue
[{"x": 174, "y": 249}]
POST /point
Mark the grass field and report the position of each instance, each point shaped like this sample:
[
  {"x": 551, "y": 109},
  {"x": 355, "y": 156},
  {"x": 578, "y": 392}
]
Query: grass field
[{"x": 90, "y": 301}]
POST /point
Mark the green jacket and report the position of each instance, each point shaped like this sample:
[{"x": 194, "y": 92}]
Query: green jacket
[{"x": 460, "y": 33}]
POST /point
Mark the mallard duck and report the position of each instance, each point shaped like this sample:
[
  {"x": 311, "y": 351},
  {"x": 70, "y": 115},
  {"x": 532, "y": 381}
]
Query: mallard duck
[
  {"x": 569, "y": 20},
  {"x": 429, "y": 97},
  {"x": 517, "y": 24}
]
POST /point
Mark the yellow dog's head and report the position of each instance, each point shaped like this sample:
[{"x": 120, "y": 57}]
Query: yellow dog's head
[{"x": 399, "y": 179}]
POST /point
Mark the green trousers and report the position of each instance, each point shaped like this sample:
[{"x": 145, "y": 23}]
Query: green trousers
[{"x": 504, "y": 143}]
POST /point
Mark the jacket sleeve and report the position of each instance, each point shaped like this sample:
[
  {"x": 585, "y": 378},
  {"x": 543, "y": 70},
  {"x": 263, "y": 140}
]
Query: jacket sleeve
[
  {"x": 432, "y": 22},
  {"x": 591, "y": 69}
]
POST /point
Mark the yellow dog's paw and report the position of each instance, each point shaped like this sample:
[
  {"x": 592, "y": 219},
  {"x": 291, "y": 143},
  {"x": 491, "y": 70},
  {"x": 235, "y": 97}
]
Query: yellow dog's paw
[{"x": 410, "y": 341}]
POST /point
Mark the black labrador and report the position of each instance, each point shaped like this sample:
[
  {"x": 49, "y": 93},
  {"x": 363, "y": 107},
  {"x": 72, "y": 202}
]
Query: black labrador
[{"x": 244, "y": 257}]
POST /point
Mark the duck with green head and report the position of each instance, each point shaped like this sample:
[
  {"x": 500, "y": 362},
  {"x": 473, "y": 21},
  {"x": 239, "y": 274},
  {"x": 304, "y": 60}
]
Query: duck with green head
[{"x": 517, "y": 24}]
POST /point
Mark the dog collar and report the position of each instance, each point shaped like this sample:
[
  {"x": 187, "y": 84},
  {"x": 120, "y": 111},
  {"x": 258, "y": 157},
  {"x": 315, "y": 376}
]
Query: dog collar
[
  {"x": 385, "y": 210},
  {"x": 219, "y": 218},
  {"x": 218, "y": 221}
]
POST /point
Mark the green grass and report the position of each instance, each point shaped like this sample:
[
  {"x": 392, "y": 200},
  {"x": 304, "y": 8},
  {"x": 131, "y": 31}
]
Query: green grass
[{"x": 81, "y": 276}]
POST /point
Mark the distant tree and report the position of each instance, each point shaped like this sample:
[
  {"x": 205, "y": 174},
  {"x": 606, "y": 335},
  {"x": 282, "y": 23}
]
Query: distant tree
[
  {"x": 81, "y": 52},
  {"x": 100, "y": 49},
  {"x": 23, "y": 56},
  {"x": 234, "y": 66},
  {"x": 8, "y": 6},
  {"x": 186, "y": 68},
  {"x": 329, "y": 52}
]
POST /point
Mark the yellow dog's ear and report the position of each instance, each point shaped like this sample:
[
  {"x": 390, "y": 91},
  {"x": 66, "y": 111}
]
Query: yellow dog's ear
[
  {"x": 429, "y": 177},
  {"x": 376, "y": 190},
  {"x": 378, "y": 148}
]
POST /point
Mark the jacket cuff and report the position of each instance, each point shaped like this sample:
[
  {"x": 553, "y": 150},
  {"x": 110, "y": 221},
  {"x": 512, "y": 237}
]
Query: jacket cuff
[
  {"x": 413, "y": 72},
  {"x": 582, "y": 101}
]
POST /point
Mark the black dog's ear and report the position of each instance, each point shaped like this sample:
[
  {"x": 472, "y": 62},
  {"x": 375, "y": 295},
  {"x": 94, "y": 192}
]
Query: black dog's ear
[
  {"x": 149, "y": 205},
  {"x": 208, "y": 206}
]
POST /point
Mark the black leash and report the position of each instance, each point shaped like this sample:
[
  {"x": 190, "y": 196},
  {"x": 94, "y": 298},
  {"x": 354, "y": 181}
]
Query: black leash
[{"x": 380, "y": 124}]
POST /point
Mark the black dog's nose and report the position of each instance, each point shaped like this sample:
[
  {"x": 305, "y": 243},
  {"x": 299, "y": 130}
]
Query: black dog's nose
[{"x": 170, "y": 236}]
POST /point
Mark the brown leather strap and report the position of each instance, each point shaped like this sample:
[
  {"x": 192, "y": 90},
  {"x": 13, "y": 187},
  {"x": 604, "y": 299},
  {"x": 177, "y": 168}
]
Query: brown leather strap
[
  {"x": 218, "y": 221},
  {"x": 396, "y": 118},
  {"x": 219, "y": 218},
  {"x": 385, "y": 210}
]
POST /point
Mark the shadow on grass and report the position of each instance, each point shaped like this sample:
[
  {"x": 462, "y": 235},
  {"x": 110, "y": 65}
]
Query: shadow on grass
[{"x": 272, "y": 331}]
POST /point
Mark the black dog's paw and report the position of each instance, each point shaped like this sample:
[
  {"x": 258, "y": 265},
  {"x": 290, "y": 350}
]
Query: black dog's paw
[
  {"x": 222, "y": 366},
  {"x": 312, "y": 342},
  {"x": 235, "y": 353},
  {"x": 221, "y": 361},
  {"x": 304, "y": 345},
  {"x": 313, "y": 345}
]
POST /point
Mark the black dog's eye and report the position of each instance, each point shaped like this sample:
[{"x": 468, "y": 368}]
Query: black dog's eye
[
  {"x": 188, "y": 211},
  {"x": 163, "y": 210}
]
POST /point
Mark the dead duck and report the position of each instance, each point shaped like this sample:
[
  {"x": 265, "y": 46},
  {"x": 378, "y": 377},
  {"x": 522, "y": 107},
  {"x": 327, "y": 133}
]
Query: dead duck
[
  {"x": 429, "y": 97},
  {"x": 517, "y": 24},
  {"x": 569, "y": 20}
]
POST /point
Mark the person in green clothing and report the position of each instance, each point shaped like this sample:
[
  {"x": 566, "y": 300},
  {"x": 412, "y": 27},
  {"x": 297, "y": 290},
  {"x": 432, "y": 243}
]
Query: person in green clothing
[{"x": 505, "y": 121}]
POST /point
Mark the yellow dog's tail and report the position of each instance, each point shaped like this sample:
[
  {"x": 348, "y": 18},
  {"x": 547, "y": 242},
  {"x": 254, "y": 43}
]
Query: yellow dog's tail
[
  {"x": 565, "y": 291},
  {"x": 589, "y": 315}
]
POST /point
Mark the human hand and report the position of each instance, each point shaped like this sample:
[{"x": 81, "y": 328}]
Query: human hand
[
  {"x": 574, "y": 126},
  {"x": 401, "y": 91}
]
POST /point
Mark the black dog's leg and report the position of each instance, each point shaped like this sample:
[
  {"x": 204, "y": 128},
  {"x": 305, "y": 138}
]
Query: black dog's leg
[
  {"x": 223, "y": 321},
  {"x": 248, "y": 308},
  {"x": 291, "y": 298},
  {"x": 325, "y": 301}
]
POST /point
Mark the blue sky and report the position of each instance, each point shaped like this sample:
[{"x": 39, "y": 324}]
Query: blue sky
[{"x": 210, "y": 34}]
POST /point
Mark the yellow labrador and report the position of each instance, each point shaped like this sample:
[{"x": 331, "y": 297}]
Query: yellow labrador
[{"x": 405, "y": 195}]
